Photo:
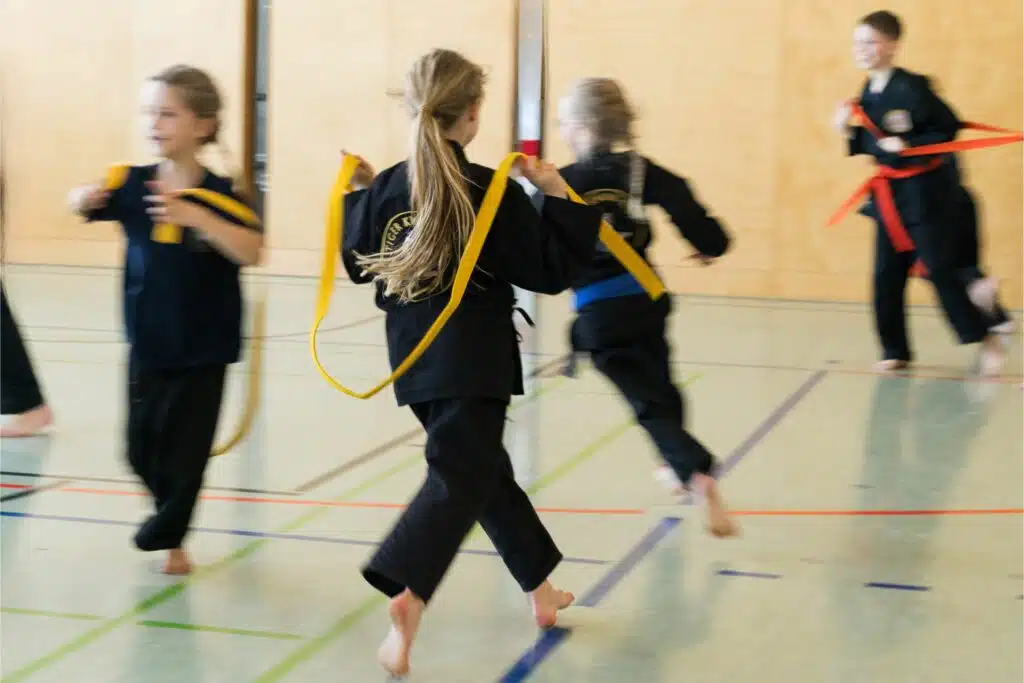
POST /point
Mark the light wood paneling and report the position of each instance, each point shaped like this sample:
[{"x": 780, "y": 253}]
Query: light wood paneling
[
  {"x": 332, "y": 68},
  {"x": 72, "y": 71},
  {"x": 738, "y": 97}
]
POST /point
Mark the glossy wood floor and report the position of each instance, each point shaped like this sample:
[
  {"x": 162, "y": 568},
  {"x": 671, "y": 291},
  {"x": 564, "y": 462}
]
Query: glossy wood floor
[{"x": 882, "y": 516}]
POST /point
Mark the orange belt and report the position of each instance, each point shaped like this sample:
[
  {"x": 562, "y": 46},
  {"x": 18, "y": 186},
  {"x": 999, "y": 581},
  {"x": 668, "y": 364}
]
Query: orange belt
[{"x": 879, "y": 182}]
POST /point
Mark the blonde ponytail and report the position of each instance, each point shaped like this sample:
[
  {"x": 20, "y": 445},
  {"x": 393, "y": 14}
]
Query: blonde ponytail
[{"x": 440, "y": 87}]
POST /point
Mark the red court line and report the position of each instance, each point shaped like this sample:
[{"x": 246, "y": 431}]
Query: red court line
[{"x": 936, "y": 512}]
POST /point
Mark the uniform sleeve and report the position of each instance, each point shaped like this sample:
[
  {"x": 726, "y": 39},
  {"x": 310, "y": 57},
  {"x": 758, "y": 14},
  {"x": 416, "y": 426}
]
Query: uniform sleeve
[
  {"x": 695, "y": 224},
  {"x": 115, "y": 208},
  {"x": 541, "y": 251},
  {"x": 234, "y": 207},
  {"x": 359, "y": 232},
  {"x": 933, "y": 120}
]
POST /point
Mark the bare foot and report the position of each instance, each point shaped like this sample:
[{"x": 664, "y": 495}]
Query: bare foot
[
  {"x": 665, "y": 476},
  {"x": 983, "y": 293},
  {"x": 177, "y": 563},
  {"x": 891, "y": 365},
  {"x": 990, "y": 359},
  {"x": 546, "y": 601},
  {"x": 720, "y": 524},
  {"x": 405, "y": 611},
  {"x": 28, "y": 423}
]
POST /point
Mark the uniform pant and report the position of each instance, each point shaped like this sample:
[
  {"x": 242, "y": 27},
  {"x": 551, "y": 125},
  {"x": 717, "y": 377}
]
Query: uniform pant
[
  {"x": 968, "y": 249},
  {"x": 936, "y": 246},
  {"x": 19, "y": 388},
  {"x": 625, "y": 337},
  {"x": 172, "y": 421},
  {"x": 469, "y": 479}
]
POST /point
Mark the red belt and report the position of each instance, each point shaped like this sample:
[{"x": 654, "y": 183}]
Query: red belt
[{"x": 879, "y": 182}]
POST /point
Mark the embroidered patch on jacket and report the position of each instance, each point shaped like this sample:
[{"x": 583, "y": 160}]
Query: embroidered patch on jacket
[{"x": 897, "y": 121}]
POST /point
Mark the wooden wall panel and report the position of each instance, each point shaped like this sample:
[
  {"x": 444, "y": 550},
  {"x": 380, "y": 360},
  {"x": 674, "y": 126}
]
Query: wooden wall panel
[
  {"x": 72, "y": 72},
  {"x": 332, "y": 67},
  {"x": 734, "y": 94}
]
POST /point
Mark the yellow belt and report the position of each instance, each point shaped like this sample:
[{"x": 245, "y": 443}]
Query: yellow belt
[
  {"x": 334, "y": 235},
  {"x": 168, "y": 233}
]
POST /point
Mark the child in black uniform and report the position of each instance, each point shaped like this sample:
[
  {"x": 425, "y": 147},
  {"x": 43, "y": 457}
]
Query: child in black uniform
[
  {"x": 405, "y": 233},
  {"x": 20, "y": 393},
  {"x": 617, "y": 323},
  {"x": 907, "y": 110},
  {"x": 182, "y": 301}
]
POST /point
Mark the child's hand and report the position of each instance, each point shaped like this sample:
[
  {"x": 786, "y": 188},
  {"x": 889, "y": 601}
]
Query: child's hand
[
  {"x": 841, "y": 119},
  {"x": 545, "y": 176},
  {"x": 364, "y": 174},
  {"x": 89, "y": 198},
  {"x": 170, "y": 208},
  {"x": 892, "y": 144}
]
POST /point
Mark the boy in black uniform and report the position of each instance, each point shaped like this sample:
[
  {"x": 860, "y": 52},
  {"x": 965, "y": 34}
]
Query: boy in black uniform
[
  {"x": 617, "y": 324},
  {"x": 903, "y": 105},
  {"x": 182, "y": 300},
  {"x": 405, "y": 233}
]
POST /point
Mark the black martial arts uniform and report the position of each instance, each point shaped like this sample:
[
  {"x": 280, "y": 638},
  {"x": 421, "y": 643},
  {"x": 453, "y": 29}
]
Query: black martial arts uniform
[
  {"x": 617, "y": 323},
  {"x": 183, "y": 321},
  {"x": 908, "y": 108},
  {"x": 460, "y": 388},
  {"x": 19, "y": 388}
]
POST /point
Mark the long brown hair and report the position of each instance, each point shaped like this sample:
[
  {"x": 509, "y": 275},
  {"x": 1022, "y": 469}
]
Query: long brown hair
[{"x": 440, "y": 87}]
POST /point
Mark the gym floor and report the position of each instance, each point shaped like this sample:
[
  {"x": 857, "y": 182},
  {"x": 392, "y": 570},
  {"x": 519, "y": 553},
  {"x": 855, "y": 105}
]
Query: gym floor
[{"x": 882, "y": 517}]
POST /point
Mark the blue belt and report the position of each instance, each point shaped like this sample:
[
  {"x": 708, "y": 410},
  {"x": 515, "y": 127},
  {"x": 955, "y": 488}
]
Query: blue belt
[{"x": 621, "y": 285}]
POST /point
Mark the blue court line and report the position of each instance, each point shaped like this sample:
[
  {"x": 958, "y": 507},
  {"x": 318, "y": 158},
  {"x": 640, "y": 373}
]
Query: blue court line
[
  {"x": 753, "y": 575},
  {"x": 552, "y": 638},
  {"x": 896, "y": 586},
  {"x": 264, "y": 534}
]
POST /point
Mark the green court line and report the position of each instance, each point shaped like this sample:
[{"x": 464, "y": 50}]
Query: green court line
[
  {"x": 309, "y": 649},
  {"x": 350, "y": 619},
  {"x": 202, "y": 572},
  {"x": 220, "y": 629},
  {"x": 53, "y": 615},
  {"x": 152, "y": 624},
  {"x": 590, "y": 450}
]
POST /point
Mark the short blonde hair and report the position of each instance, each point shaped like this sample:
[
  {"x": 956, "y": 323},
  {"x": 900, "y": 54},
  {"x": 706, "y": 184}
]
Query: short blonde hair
[{"x": 599, "y": 106}]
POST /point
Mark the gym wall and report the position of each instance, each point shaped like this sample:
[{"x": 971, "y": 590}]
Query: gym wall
[{"x": 737, "y": 95}]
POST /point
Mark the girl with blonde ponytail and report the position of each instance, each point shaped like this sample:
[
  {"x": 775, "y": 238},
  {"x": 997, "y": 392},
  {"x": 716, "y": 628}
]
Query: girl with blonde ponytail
[
  {"x": 405, "y": 231},
  {"x": 597, "y": 124}
]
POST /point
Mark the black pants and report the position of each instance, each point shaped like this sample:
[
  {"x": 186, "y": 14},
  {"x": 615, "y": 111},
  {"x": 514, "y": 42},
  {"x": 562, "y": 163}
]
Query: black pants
[
  {"x": 469, "y": 479},
  {"x": 936, "y": 246},
  {"x": 968, "y": 247},
  {"x": 172, "y": 421},
  {"x": 19, "y": 388},
  {"x": 625, "y": 337}
]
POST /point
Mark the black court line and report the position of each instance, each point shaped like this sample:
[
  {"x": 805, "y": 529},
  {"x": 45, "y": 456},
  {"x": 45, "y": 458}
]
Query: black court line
[
  {"x": 25, "y": 493},
  {"x": 130, "y": 482},
  {"x": 383, "y": 448}
]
